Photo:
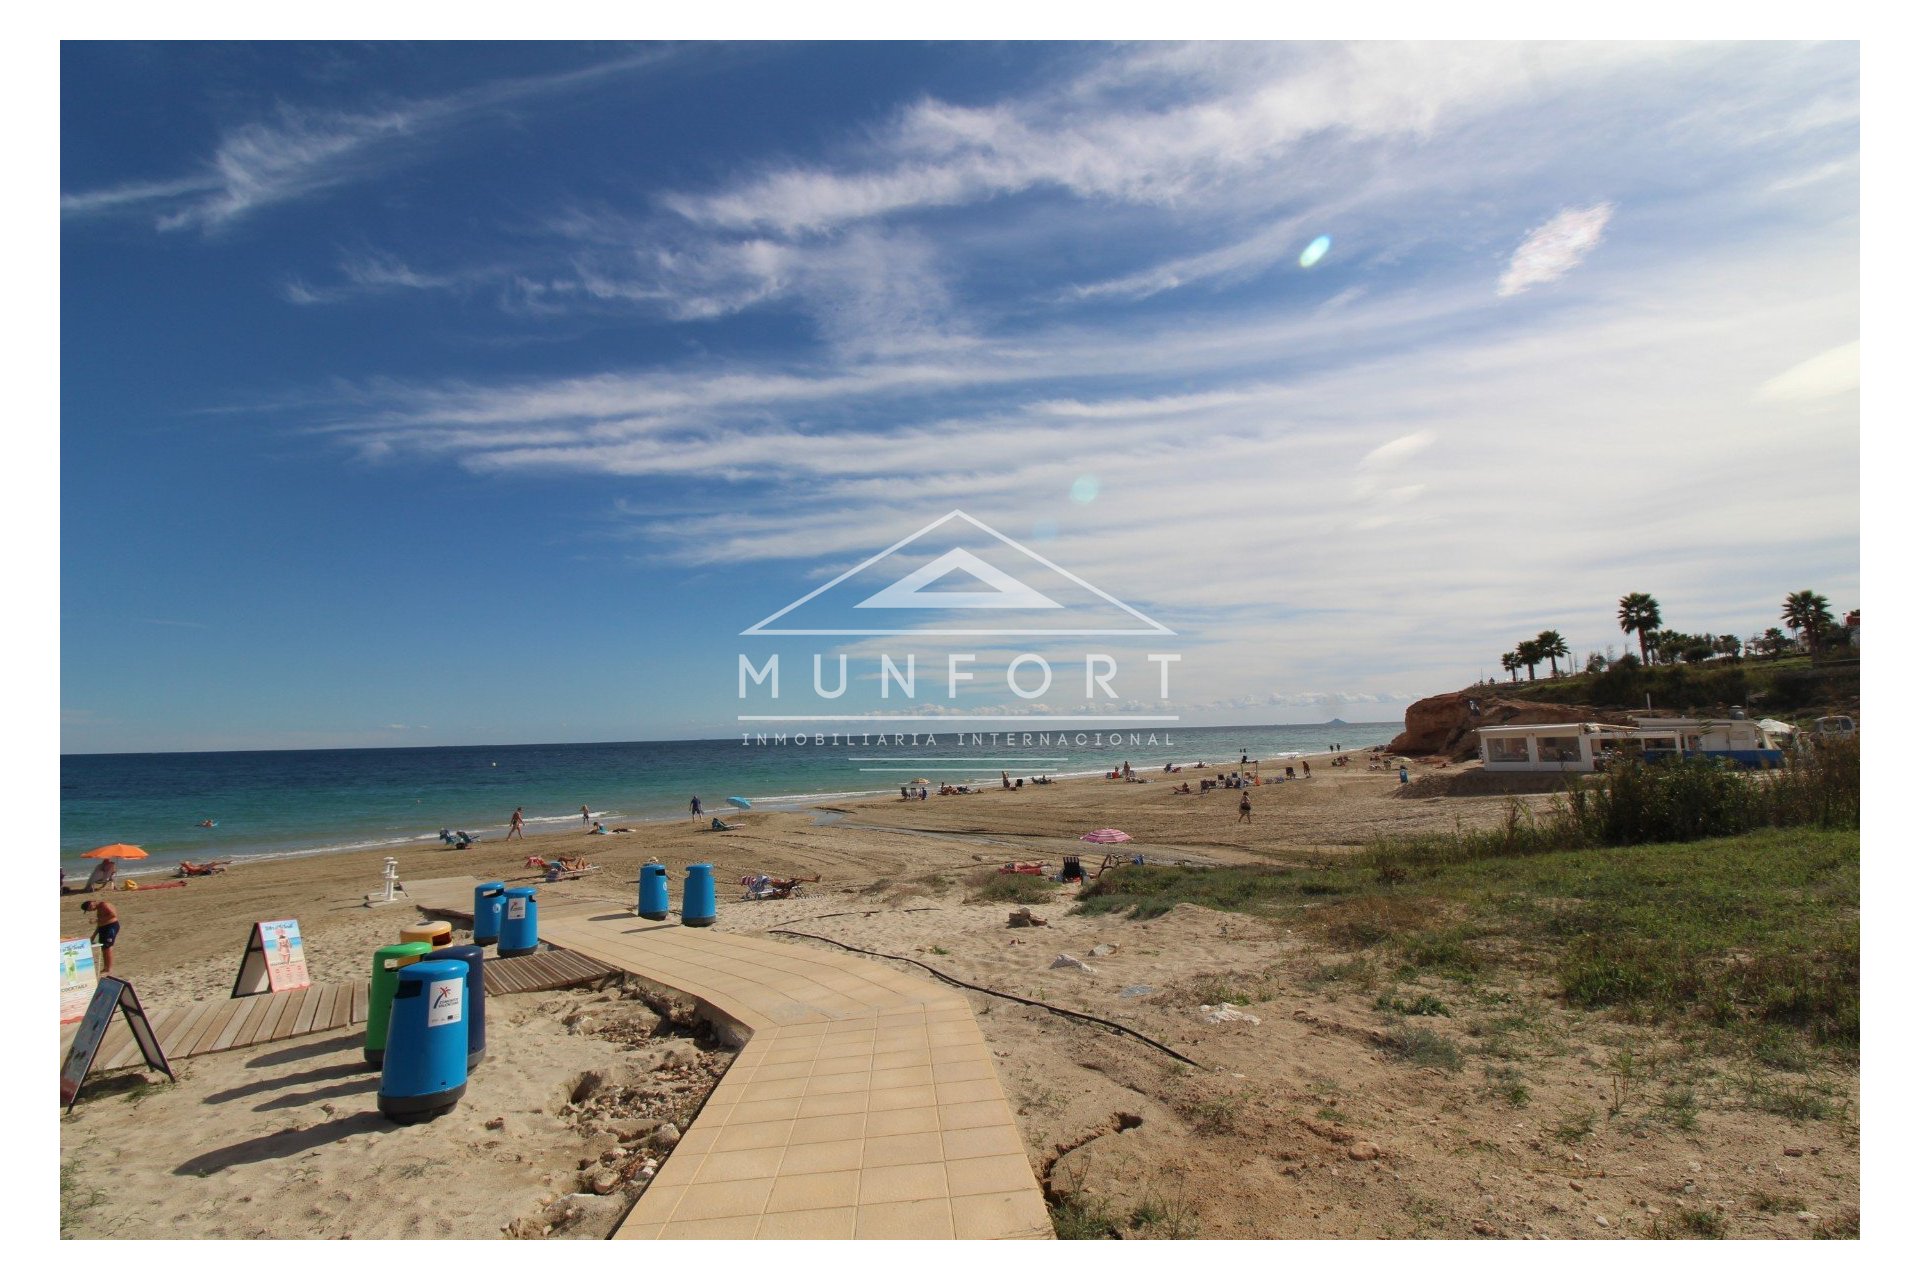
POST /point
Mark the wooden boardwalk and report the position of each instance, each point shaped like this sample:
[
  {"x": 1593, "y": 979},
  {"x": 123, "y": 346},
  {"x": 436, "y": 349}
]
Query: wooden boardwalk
[{"x": 215, "y": 1025}]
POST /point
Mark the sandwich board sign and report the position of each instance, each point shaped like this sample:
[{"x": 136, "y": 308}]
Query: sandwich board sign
[
  {"x": 274, "y": 960},
  {"x": 77, "y": 977},
  {"x": 112, "y": 995}
]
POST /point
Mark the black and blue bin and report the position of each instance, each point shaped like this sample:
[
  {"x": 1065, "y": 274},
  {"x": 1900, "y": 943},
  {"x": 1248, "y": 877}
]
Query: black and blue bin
[
  {"x": 425, "y": 1070},
  {"x": 519, "y": 923},
  {"x": 475, "y": 959},
  {"x": 488, "y": 897},
  {"x": 696, "y": 898},
  {"x": 653, "y": 892}
]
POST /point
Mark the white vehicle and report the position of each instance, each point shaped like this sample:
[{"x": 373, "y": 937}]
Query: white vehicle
[{"x": 1834, "y": 727}]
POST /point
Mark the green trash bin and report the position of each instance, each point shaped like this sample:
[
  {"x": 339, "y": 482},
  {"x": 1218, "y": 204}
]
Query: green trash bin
[{"x": 387, "y": 963}]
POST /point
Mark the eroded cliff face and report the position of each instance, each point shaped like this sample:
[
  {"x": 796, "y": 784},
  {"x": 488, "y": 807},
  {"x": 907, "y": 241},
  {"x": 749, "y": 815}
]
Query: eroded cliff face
[{"x": 1444, "y": 724}]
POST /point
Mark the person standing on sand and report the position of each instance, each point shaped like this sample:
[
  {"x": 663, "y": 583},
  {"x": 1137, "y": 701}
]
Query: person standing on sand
[
  {"x": 586, "y": 819},
  {"x": 1246, "y": 807},
  {"x": 106, "y": 929},
  {"x": 694, "y": 807},
  {"x": 517, "y": 826},
  {"x": 1306, "y": 770}
]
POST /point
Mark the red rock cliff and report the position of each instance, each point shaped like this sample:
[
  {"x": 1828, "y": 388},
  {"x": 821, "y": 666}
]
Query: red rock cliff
[{"x": 1444, "y": 724}]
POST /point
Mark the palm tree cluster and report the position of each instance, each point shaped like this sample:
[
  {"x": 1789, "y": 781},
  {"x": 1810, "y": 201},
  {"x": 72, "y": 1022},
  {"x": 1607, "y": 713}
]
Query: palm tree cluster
[
  {"x": 1805, "y": 612},
  {"x": 1548, "y": 647}
]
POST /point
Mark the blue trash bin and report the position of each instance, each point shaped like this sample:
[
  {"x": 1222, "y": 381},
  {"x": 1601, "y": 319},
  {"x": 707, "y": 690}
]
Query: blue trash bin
[
  {"x": 696, "y": 898},
  {"x": 488, "y": 897},
  {"x": 475, "y": 959},
  {"x": 520, "y": 923},
  {"x": 425, "y": 1070},
  {"x": 653, "y": 892}
]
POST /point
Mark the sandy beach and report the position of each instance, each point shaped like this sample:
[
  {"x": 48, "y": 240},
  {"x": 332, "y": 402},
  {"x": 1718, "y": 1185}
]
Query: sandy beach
[{"x": 1292, "y": 1126}]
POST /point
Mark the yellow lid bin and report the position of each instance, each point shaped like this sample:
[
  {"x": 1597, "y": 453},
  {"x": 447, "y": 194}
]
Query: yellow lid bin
[{"x": 435, "y": 933}]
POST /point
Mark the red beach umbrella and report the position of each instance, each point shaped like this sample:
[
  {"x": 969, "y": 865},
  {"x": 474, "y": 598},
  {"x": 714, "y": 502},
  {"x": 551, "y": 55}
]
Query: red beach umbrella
[{"x": 1106, "y": 835}]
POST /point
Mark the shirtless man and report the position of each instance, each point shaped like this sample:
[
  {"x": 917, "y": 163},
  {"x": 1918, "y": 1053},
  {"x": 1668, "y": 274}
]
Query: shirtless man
[
  {"x": 515, "y": 827},
  {"x": 106, "y": 928}
]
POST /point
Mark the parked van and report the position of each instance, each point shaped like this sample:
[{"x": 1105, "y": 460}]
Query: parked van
[{"x": 1834, "y": 726}]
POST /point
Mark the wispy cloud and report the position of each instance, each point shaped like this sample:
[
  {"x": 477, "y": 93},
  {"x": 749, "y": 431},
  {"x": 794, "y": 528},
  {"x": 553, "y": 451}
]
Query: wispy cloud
[
  {"x": 1831, "y": 373},
  {"x": 1555, "y": 248},
  {"x": 302, "y": 151}
]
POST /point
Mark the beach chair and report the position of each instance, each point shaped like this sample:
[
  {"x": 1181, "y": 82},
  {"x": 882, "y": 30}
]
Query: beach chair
[{"x": 101, "y": 877}]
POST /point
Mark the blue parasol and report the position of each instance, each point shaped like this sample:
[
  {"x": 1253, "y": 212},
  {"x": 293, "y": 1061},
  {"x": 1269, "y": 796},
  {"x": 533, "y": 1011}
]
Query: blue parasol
[{"x": 740, "y": 802}]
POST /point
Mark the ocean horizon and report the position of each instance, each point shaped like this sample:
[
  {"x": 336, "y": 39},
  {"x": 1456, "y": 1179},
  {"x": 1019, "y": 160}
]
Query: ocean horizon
[{"x": 295, "y": 803}]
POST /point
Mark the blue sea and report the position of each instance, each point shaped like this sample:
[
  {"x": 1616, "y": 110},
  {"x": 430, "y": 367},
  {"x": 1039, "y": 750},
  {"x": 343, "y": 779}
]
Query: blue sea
[{"x": 292, "y": 803}]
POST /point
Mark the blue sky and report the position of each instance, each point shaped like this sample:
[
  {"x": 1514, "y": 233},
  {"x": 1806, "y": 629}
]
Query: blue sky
[{"x": 483, "y": 393}]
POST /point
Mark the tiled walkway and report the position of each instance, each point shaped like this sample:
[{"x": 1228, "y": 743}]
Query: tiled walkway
[{"x": 864, "y": 1105}]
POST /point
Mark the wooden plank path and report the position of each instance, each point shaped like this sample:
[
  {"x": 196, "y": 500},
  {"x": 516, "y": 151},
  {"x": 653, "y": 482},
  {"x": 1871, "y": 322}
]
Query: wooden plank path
[{"x": 214, "y": 1026}]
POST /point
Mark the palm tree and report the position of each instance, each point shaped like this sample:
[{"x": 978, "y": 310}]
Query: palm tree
[
  {"x": 1807, "y": 613},
  {"x": 1639, "y": 614},
  {"x": 1774, "y": 642},
  {"x": 1553, "y": 647},
  {"x": 1530, "y": 655},
  {"x": 1511, "y": 664}
]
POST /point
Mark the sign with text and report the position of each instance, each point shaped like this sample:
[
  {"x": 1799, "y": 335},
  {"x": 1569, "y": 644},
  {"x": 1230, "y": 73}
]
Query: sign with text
[
  {"x": 77, "y": 976},
  {"x": 109, "y": 996},
  {"x": 275, "y": 959}
]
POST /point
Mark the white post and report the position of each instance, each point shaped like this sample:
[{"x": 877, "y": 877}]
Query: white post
[{"x": 391, "y": 874}]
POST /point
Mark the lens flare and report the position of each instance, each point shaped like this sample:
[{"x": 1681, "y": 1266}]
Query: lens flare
[
  {"x": 1316, "y": 251},
  {"x": 1085, "y": 489}
]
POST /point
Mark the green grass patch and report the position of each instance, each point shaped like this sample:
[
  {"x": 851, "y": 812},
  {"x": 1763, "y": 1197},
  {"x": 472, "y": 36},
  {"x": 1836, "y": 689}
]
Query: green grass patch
[
  {"x": 1756, "y": 934},
  {"x": 997, "y": 886},
  {"x": 1424, "y": 1047}
]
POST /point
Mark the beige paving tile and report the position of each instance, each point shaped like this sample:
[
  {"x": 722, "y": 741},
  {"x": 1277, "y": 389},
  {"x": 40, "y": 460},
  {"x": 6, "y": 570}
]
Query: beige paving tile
[
  {"x": 911, "y": 1095},
  {"x": 792, "y": 1054},
  {"x": 904, "y": 1220},
  {"x": 697, "y": 1140},
  {"x": 903, "y": 1182},
  {"x": 963, "y": 1144},
  {"x": 973, "y": 1115},
  {"x": 902, "y": 1058},
  {"x": 967, "y": 1052},
  {"x": 838, "y": 1082},
  {"x": 753, "y": 1162},
  {"x": 822, "y": 1157},
  {"x": 984, "y": 1174},
  {"x": 656, "y": 1204},
  {"x": 1000, "y": 1216},
  {"x": 631, "y": 1230},
  {"x": 745, "y": 1137},
  {"x": 884, "y": 1124},
  {"x": 723, "y": 1199},
  {"x": 679, "y": 1171},
  {"x": 790, "y": 1070},
  {"x": 834, "y": 1128},
  {"x": 762, "y": 1090},
  {"x": 734, "y": 1228},
  {"x": 809, "y": 1224},
  {"x": 970, "y": 1091},
  {"x": 765, "y": 1109},
  {"x": 904, "y": 1148},
  {"x": 949, "y": 1072},
  {"x": 893, "y": 1077},
  {"x": 833, "y": 1104},
  {"x": 825, "y": 1190}
]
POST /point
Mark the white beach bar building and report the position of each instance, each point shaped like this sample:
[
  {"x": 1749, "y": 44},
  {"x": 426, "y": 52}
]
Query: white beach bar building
[
  {"x": 1544, "y": 748},
  {"x": 1551, "y": 748}
]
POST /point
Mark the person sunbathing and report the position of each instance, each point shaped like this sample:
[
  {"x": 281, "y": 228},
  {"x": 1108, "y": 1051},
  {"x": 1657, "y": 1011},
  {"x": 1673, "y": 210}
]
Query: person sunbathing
[{"x": 199, "y": 868}]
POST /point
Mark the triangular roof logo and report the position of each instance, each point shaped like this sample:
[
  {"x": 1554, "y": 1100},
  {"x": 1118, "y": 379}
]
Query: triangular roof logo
[{"x": 959, "y": 579}]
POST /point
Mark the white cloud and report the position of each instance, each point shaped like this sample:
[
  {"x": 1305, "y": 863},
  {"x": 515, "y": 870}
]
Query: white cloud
[
  {"x": 303, "y": 151},
  {"x": 1555, "y": 248},
  {"x": 1831, "y": 373}
]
